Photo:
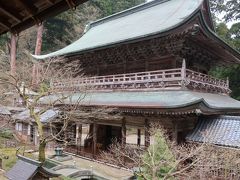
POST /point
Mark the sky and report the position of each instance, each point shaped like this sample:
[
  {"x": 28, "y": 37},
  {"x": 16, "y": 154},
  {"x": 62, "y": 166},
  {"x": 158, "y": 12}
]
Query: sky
[{"x": 229, "y": 24}]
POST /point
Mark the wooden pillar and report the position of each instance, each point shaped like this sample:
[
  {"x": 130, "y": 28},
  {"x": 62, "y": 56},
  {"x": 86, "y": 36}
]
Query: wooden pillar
[
  {"x": 183, "y": 70},
  {"x": 175, "y": 132},
  {"x": 139, "y": 137},
  {"x": 77, "y": 135},
  {"x": 80, "y": 136},
  {"x": 147, "y": 134},
  {"x": 94, "y": 143},
  {"x": 78, "y": 140},
  {"x": 124, "y": 130},
  {"x": 227, "y": 81},
  {"x": 38, "y": 48},
  {"x": 13, "y": 52},
  {"x": 183, "y": 74},
  {"x": 29, "y": 130}
]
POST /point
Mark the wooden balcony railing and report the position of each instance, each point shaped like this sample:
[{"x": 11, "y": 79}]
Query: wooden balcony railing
[
  {"x": 162, "y": 79},
  {"x": 206, "y": 79}
]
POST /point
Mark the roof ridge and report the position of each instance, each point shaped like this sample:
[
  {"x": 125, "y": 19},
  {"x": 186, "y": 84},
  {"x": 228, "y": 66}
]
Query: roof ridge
[
  {"x": 29, "y": 160},
  {"x": 123, "y": 13},
  {"x": 229, "y": 116}
]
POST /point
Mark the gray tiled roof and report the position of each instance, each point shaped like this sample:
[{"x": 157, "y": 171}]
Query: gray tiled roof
[
  {"x": 149, "y": 99},
  {"x": 148, "y": 19},
  {"x": 49, "y": 115},
  {"x": 45, "y": 117},
  {"x": 22, "y": 171},
  {"x": 4, "y": 110},
  {"x": 218, "y": 130},
  {"x": 26, "y": 169}
]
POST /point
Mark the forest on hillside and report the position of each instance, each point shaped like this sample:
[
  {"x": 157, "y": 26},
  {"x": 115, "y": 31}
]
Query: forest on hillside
[{"x": 67, "y": 27}]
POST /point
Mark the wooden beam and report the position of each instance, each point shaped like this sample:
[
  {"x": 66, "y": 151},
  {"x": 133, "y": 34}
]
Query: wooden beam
[
  {"x": 175, "y": 132},
  {"x": 71, "y": 4},
  {"x": 9, "y": 12},
  {"x": 94, "y": 143},
  {"x": 139, "y": 137},
  {"x": 29, "y": 6},
  {"x": 51, "y": 1},
  {"x": 5, "y": 24},
  {"x": 13, "y": 52},
  {"x": 78, "y": 134}
]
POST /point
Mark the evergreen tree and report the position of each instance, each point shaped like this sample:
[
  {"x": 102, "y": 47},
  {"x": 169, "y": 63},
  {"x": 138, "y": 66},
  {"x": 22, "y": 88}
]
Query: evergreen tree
[
  {"x": 231, "y": 11},
  {"x": 158, "y": 160},
  {"x": 230, "y": 8},
  {"x": 231, "y": 36},
  {"x": 109, "y": 7},
  {"x": 235, "y": 35},
  {"x": 68, "y": 26}
]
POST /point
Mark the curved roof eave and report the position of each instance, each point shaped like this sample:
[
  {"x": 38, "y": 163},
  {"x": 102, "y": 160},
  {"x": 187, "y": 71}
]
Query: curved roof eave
[
  {"x": 134, "y": 39},
  {"x": 200, "y": 104},
  {"x": 203, "y": 101},
  {"x": 211, "y": 107},
  {"x": 217, "y": 38}
]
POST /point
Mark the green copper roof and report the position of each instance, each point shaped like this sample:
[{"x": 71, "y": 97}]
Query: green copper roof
[
  {"x": 141, "y": 21},
  {"x": 161, "y": 99}
]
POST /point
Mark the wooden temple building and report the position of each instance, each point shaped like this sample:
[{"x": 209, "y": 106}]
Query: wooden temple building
[
  {"x": 28, "y": 169},
  {"x": 150, "y": 64}
]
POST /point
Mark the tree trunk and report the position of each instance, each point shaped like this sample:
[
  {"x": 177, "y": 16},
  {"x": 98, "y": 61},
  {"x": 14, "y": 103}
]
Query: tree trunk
[
  {"x": 41, "y": 149},
  {"x": 154, "y": 173}
]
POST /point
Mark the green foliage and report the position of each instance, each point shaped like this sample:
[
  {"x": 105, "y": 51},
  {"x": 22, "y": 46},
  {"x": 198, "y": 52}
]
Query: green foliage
[
  {"x": 44, "y": 87},
  {"x": 223, "y": 31},
  {"x": 6, "y": 133},
  {"x": 68, "y": 26},
  {"x": 235, "y": 35},
  {"x": 3, "y": 41},
  {"x": 9, "y": 157},
  {"x": 232, "y": 37},
  {"x": 158, "y": 161},
  {"x": 109, "y": 7},
  {"x": 234, "y": 79},
  {"x": 230, "y": 8},
  {"x": 56, "y": 30}
]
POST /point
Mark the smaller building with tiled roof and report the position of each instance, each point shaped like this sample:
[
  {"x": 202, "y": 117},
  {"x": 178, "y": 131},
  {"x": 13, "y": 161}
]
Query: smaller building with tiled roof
[{"x": 29, "y": 169}]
